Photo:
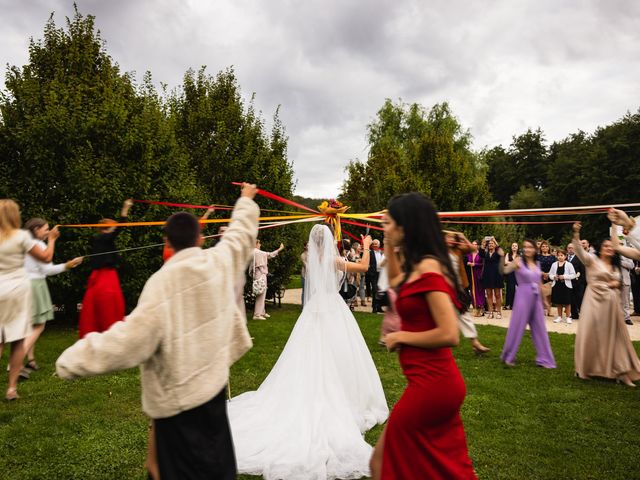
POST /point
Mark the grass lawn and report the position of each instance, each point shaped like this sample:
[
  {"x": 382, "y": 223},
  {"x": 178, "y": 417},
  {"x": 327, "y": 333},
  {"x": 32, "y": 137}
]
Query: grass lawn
[
  {"x": 521, "y": 423},
  {"x": 294, "y": 282}
]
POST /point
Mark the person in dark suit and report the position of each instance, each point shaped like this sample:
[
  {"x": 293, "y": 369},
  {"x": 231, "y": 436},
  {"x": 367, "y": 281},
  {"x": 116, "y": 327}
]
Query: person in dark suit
[
  {"x": 635, "y": 287},
  {"x": 579, "y": 283},
  {"x": 372, "y": 275}
]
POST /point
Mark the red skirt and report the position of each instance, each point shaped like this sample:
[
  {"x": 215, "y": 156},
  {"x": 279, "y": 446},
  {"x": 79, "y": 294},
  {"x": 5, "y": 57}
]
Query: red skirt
[
  {"x": 103, "y": 302},
  {"x": 425, "y": 437}
]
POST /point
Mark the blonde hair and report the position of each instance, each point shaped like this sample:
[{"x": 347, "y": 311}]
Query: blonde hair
[{"x": 9, "y": 218}]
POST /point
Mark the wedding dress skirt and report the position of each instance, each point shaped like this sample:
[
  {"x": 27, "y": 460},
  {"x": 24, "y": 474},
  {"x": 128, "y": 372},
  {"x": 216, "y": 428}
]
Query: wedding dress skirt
[{"x": 307, "y": 419}]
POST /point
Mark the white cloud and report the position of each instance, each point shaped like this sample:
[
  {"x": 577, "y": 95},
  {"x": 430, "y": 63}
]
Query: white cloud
[{"x": 504, "y": 66}]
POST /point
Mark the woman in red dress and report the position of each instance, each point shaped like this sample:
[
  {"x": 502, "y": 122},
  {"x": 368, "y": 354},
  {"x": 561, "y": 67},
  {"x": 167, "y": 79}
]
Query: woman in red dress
[{"x": 424, "y": 437}]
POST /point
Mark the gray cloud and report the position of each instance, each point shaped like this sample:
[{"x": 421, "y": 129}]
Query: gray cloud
[{"x": 504, "y": 66}]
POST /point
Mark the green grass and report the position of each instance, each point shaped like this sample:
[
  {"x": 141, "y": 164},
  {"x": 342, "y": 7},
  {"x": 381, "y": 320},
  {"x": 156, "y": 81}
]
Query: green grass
[
  {"x": 521, "y": 423},
  {"x": 294, "y": 282}
]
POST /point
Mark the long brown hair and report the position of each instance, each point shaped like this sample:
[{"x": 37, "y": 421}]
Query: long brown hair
[{"x": 9, "y": 218}]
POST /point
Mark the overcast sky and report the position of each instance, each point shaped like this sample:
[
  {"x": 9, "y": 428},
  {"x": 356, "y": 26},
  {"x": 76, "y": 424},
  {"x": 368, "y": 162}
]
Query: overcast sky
[{"x": 503, "y": 66}]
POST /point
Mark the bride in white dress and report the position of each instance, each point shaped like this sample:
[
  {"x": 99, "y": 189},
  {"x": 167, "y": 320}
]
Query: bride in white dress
[{"x": 307, "y": 419}]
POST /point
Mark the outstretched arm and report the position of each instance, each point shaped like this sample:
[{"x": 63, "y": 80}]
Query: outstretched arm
[
  {"x": 125, "y": 345},
  {"x": 585, "y": 257},
  {"x": 363, "y": 265}
]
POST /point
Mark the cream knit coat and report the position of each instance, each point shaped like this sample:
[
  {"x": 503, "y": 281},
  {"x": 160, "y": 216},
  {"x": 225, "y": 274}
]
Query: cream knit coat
[{"x": 187, "y": 329}]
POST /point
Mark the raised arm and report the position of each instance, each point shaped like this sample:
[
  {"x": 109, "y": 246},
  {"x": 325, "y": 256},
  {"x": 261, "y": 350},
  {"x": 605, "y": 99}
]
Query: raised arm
[
  {"x": 46, "y": 255},
  {"x": 585, "y": 257},
  {"x": 363, "y": 265},
  {"x": 239, "y": 240},
  {"x": 628, "y": 252}
]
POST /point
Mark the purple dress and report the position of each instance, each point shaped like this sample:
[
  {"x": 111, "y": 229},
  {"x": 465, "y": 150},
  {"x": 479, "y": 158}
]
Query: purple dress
[
  {"x": 527, "y": 310},
  {"x": 475, "y": 279}
]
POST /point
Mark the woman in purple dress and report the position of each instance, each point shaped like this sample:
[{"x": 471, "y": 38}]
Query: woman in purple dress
[
  {"x": 527, "y": 310},
  {"x": 476, "y": 264}
]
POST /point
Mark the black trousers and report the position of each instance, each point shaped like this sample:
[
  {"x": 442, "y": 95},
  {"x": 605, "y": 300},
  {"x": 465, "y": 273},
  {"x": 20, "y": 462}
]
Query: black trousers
[
  {"x": 196, "y": 444},
  {"x": 635, "y": 291},
  {"x": 511, "y": 289},
  {"x": 371, "y": 280},
  {"x": 577, "y": 292}
]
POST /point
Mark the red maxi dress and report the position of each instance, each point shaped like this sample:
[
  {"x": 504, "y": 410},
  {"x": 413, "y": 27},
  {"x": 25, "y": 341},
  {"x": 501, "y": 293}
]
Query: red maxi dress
[{"x": 425, "y": 439}]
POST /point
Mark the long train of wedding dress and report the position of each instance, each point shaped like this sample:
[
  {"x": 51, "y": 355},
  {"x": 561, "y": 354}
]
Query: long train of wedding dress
[{"x": 307, "y": 419}]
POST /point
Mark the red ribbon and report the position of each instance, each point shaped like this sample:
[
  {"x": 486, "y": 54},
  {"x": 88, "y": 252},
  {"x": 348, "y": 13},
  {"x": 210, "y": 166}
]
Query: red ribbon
[
  {"x": 358, "y": 224},
  {"x": 181, "y": 205},
  {"x": 277, "y": 198}
]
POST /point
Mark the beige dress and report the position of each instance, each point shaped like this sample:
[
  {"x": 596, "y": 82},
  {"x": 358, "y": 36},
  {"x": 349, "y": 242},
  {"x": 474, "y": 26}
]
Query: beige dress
[
  {"x": 15, "y": 287},
  {"x": 603, "y": 346}
]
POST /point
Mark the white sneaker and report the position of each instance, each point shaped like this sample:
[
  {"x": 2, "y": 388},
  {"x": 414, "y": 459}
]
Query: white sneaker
[
  {"x": 558, "y": 320},
  {"x": 569, "y": 320},
  {"x": 266, "y": 315}
]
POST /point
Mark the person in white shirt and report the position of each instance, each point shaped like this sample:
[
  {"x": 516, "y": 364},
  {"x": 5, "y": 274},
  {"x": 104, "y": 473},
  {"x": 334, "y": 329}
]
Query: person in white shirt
[
  {"x": 562, "y": 273},
  {"x": 38, "y": 271},
  {"x": 185, "y": 333}
]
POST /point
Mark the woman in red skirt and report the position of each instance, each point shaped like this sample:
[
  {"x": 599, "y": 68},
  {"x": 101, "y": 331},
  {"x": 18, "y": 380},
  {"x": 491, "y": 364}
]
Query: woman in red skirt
[
  {"x": 424, "y": 437},
  {"x": 103, "y": 302}
]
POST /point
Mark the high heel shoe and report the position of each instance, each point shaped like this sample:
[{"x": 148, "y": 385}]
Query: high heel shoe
[{"x": 624, "y": 379}]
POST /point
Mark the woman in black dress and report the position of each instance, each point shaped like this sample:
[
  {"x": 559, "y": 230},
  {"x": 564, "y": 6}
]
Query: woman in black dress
[
  {"x": 492, "y": 275},
  {"x": 511, "y": 277}
]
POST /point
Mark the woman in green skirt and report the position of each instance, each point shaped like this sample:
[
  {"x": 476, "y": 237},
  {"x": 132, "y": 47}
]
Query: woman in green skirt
[{"x": 40, "y": 298}]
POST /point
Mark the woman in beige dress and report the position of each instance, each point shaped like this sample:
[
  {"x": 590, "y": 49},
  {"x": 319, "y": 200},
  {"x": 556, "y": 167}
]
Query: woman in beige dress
[
  {"x": 603, "y": 346},
  {"x": 15, "y": 286}
]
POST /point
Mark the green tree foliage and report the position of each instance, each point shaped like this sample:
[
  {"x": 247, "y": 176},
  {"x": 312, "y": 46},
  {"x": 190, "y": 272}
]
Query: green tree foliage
[
  {"x": 412, "y": 149},
  {"x": 227, "y": 141},
  {"x": 524, "y": 164},
  {"x": 77, "y": 137}
]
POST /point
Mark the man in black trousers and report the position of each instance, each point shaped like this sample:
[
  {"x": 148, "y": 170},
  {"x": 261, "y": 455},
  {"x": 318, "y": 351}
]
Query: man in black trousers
[{"x": 579, "y": 284}]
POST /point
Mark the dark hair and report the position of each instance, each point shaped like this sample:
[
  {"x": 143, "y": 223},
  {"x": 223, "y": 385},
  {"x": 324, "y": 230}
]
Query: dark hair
[
  {"x": 423, "y": 238},
  {"x": 616, "y": 261},
  {"x": 34, "y": 224},
  {"x": 182, "y": 230},
  {"x": 524, "y": 258}
]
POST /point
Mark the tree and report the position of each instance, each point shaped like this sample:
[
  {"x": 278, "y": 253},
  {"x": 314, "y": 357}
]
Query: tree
[
  {"x": 524, "y": 164},
  {"x": 411, "y": 149},
  {"x": 226, "y": 141},
  {"x": 77, "y": 137}
]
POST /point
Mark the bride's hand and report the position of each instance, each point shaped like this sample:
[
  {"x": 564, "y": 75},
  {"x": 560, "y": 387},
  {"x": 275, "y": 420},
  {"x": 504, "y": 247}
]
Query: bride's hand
[
  {"x": 392, "y": 341},
  {"x": 366, "y": 242}
]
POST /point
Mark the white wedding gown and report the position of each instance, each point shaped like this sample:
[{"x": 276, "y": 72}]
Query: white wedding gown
[{"x": 307, "y": 419}]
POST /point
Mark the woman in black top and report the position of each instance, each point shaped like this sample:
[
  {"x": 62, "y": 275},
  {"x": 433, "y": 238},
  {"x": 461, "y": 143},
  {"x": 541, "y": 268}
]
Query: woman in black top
[
  {"x": 103, "y": 302},
  {"x": 511, "y": 277},
  {"x": 492, "y": 275}
]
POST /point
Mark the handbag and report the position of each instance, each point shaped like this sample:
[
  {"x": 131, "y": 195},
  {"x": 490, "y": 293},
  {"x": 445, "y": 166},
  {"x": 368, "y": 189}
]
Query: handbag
[
  {"x": 259, "y": 285},
  {"x": 347, "y": 290}
]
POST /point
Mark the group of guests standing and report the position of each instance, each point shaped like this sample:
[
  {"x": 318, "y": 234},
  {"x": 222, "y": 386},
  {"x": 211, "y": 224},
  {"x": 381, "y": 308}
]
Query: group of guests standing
[
  {"x": 370, "y": 286},
  {"x": 564, "y": 279},
  {"x": 582, "y": 282}
]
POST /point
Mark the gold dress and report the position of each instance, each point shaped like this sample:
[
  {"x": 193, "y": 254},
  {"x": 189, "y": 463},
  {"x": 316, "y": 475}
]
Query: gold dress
[{"x": 603, "y": 346}]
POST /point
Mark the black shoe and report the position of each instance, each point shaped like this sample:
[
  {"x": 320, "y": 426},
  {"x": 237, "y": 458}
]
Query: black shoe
[{"x": 628, "y": 322}]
